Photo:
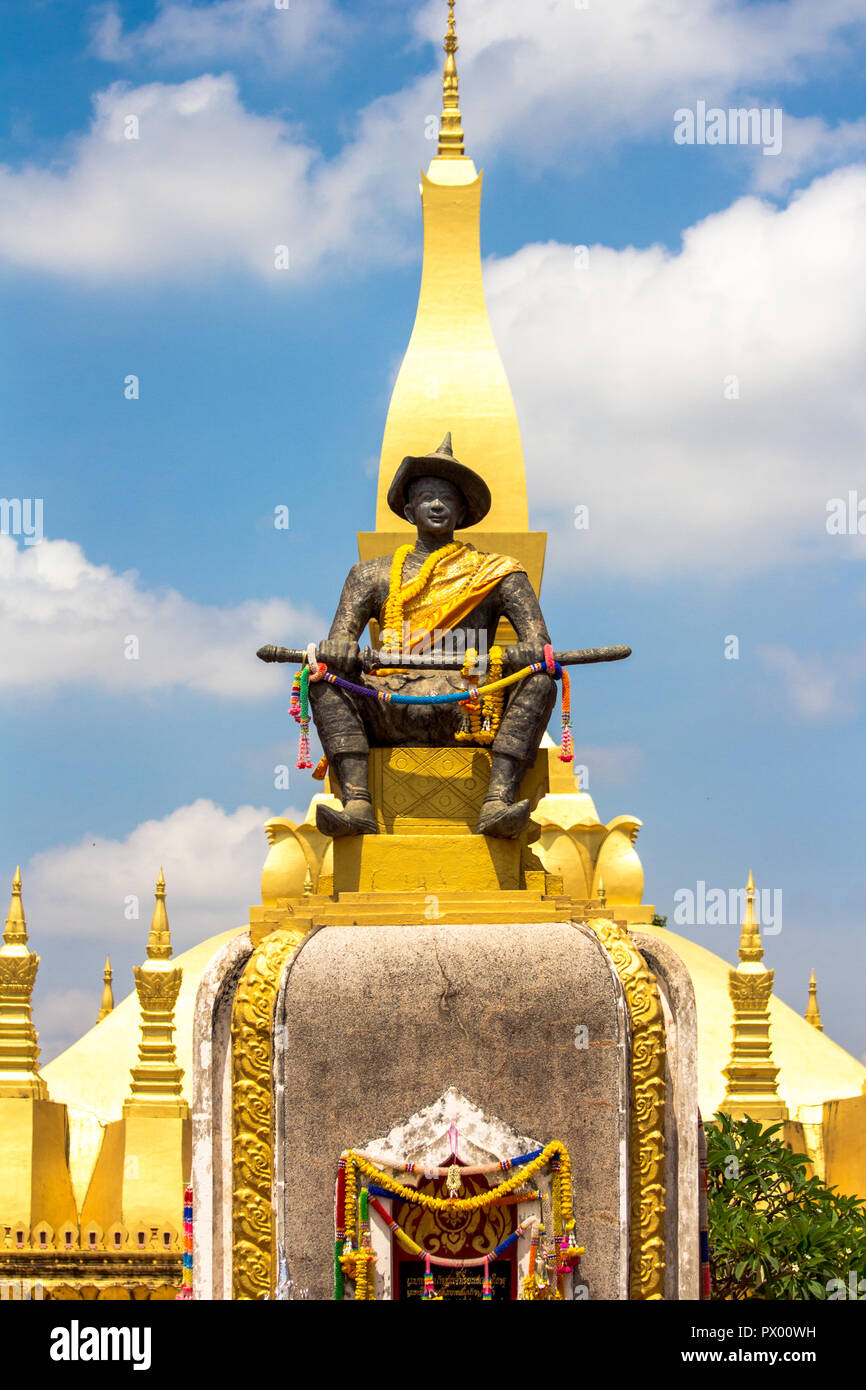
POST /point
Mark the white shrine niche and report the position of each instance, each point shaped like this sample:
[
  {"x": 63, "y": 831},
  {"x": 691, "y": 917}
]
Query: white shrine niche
[{"x": 427, "y": 1139}]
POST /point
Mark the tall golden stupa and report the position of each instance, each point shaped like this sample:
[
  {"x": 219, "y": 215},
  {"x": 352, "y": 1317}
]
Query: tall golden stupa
[{"x": 95, "y": 1148}]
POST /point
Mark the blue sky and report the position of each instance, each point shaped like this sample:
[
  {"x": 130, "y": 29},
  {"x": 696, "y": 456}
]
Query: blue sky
[{"x": 708, "y": 512}]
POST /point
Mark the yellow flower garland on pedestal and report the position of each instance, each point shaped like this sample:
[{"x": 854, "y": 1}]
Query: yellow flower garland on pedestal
[{"x": 481, "y": 1199}]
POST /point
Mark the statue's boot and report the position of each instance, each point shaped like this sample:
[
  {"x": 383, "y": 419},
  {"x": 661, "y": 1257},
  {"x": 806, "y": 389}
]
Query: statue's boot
[
  {"x": 501, "y": 819},
  {"x": 356, "y": 816},
  {"x": 500, "y": 814}
]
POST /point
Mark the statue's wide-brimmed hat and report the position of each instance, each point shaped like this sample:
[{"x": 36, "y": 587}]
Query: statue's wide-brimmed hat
[{"x": 442, "y": 464}]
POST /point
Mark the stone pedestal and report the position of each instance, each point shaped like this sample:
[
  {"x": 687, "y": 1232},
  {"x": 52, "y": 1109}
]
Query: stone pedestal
[
  {"x": 374, "y": 1024},
  {"x": 434, "y": 978},
  {"x": 311, "y": 1043}
]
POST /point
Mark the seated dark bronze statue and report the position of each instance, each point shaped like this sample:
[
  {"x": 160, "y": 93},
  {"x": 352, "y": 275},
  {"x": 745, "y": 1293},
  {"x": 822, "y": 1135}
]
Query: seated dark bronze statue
[{"x": 437, "y": 589}]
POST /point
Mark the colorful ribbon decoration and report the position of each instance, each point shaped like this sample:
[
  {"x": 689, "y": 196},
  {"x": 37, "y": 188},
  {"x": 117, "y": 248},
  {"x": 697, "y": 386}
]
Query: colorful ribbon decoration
[
  {"x": 454, "y": 697},
  {"x": 186, "y": 1294},
  {"x": 299, "y": 707}
]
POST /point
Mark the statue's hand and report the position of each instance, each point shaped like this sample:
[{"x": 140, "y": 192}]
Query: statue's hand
[
  {"x": 523, "y": 654},
  {"x": 343, "y": 658}
]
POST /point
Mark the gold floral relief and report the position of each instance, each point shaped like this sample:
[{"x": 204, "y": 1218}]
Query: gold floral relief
[
  {"x": 750, "y": 992},
  {"x": 157, "y": 989},
  {"x": 253, "y": 1241},
  {"x": 647, "y": 1116},
  {"x": 18, "y": 974}
]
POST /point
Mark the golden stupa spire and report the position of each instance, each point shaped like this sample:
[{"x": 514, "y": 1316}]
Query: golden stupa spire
[
  {"x": 159, "y": 941},
  {"x": 751, "y": 1074},
  {"x": 452, "y": 376},
  {"x": 107, "y": 1002},
  {"x": 156, "y": 1080},
  {"x": 450, "y": 128},
  {"x": 813, "y": 1013},
  {"x": 19, "y": 1043},
  {"x": 751, "y": 949},
  {"x": 16, "y": 924}
]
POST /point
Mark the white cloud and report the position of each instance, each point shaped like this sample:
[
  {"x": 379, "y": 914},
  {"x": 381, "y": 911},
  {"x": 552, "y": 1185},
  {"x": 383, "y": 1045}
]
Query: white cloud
[
  {"x": 809, "y": 145},
  {"x": 210, "y": 185},
  {"x": 205, "y": 185},
  {"x": 814, "y": 686},
  {"x": 212, "y": 860},
  {"x": 228, "y": 29},
  {"x": 65, "y": 621},
  {"x": 620, "y": 372}
]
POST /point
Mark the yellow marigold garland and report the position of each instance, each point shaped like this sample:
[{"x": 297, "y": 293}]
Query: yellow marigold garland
[
  {"x": 483, "y": 716},
  {"x": 566, "y": 1205},
  {"x": 455, "y": 1204},
  {"x": 557, "y": 1208},
  {"x": 399, "y": 594},
  {"x": 351, "y": 1199},
  {"x": 358, "y": 1265},
  {"x": 364, "y": 1276}
]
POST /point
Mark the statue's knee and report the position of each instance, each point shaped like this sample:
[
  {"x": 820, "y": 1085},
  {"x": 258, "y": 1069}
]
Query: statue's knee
[
  {"x": 542, "y": 686},
  {"x": 544, "y": 694}
]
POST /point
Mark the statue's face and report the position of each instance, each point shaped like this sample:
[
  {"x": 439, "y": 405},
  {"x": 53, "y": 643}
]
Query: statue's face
[{"x": 434, "y": 505}]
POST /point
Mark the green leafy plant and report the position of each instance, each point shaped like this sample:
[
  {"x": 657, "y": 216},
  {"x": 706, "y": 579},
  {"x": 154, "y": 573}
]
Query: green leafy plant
[
  {"x": 775, "y": 1232},
  {"x": 658, "y": 921}
]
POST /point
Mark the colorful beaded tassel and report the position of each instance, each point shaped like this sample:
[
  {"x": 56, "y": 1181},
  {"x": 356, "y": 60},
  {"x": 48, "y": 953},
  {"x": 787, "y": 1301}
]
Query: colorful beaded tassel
[
  {"x": 566, "y": 753},
  {"x": 299, "y": 709}
]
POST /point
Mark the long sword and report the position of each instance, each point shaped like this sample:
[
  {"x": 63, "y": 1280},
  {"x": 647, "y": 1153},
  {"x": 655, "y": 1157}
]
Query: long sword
[{"x": 370, "y": 660}]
